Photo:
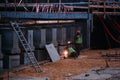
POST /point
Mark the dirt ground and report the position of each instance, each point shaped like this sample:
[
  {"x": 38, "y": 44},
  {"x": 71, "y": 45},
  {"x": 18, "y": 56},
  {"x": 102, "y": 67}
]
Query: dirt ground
[{"x": 60, "y": 70}]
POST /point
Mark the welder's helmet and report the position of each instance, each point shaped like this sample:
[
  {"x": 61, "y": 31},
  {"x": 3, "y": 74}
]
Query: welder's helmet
[
  {"x": 69, "y": 42},
  {"x": 78, "y": 31}
]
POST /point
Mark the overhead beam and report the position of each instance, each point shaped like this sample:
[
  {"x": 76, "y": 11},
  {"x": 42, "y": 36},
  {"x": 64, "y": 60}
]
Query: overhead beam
[
  {"x": 34, "y": 15},
  {"x": 34, "y": 4}
]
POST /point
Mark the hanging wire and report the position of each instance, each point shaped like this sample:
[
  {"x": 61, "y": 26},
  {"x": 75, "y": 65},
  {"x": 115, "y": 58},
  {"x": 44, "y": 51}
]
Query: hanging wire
[{"x": 115, "y": 24}]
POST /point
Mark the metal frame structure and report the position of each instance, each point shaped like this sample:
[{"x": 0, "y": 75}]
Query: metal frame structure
[{"x": 78, "y": 10}]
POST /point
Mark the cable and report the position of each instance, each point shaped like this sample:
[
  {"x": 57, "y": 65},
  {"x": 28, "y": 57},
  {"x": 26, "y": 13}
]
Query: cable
[
  {"x": 116, "y": 24},
  {"x": 107, "y": 30},
  {"x": 115, "y": 30},
  {"x": 117, "y": 27}
]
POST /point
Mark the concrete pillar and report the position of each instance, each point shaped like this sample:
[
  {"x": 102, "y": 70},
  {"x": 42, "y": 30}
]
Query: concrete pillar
[
  {"x": 37, "y": 38},
  {"x": 7, "y": 41},
  {"x": 11, "y": 61},
  {"x": 30, "y": 39},
  {"x": 63, "y": 35},
  {"x": 72, "y": 34},
  {"x": 54, "y": 36},
  {"x": 63, "y": 40},
  {"x": 15, "y": 48},
  {"x": 1, "y": 55},
  {"x": 43, "y": 37}
]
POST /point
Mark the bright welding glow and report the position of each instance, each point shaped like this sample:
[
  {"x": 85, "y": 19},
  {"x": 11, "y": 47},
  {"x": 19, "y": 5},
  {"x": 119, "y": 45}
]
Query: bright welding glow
[{"x": 65, "y": 53}]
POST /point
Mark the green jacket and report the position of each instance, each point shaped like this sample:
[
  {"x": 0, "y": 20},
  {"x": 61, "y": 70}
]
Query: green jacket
[
  {"x": 71, "y": 50},
  {"x": 78, "y": 39}
]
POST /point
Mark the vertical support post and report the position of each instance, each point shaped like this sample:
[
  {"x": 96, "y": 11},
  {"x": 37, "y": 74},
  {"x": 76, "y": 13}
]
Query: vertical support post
[
  {"x": 63, "y": 35},
  {"x": 88, "y": 30},
  {"x": 91, "y": 22},
  {"x": 15, "y": 4},
  {"x": 88, "y": 6},
  {"x": 98, "y": 4},
  {"x": 1, "y": 55},
  {"x": 15, "y": 48},
  {"x": 43, "y": 37},
  {"x": 105, "y": 9},
  {"x": 59, "y": 6},
  {"x": 30, "y": 39},
  {"x": 0, "y": 16},
  {"x": 72, "y": 34},
  {"x": 54, "y": 36},
  {"x": 61, "y": 39}
]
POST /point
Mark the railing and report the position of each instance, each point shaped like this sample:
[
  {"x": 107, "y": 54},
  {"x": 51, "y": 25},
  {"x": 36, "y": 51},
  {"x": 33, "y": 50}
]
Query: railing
[
  {"x": 45, "y": 7},
  {"x": 92, "y": 6},
  {"x": 104, "y": 7}
]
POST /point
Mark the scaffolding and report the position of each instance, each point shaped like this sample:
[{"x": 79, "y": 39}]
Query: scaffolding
[
  {"x": 105, "y": 7},
  {"x": 91, "y": 6}
]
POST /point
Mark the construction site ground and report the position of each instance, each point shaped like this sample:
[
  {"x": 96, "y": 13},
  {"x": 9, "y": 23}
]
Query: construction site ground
[{"x": 65, "y": 68}]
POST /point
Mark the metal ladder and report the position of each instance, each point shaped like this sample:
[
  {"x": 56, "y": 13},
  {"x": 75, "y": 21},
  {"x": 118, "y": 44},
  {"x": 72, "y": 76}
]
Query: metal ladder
[{"x": 26, "y": 46}]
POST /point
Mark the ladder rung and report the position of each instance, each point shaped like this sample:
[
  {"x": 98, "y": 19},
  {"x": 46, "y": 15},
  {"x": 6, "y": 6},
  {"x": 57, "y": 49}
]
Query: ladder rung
[
  {"x": 18, "y": 31},
  {"x": 20, "y": 35},
  {"x": 31, "y": 56},
  {"x": 27, "y": 50},
  {"x": 25, "y": 44},
  {"x": 22, "y": 40}
]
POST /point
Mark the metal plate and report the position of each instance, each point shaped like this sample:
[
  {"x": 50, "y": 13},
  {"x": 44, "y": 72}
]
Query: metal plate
[{"x": 52, "y": 52}]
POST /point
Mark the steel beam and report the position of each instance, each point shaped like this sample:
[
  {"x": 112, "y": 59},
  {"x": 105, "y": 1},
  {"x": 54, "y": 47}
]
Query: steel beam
[{"x": 34, "y": 15}]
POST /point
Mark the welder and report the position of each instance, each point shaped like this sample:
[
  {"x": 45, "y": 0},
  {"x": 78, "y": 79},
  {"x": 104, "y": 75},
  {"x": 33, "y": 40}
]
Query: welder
[{"x": 78, "y": 41}]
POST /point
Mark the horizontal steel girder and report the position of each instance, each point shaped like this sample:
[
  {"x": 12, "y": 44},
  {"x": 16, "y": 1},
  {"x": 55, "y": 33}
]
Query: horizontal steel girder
[{"x": 34, "y": 15}]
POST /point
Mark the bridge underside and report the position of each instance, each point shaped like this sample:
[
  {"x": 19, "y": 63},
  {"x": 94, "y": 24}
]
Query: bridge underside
[{"x": 53, "y": 16}]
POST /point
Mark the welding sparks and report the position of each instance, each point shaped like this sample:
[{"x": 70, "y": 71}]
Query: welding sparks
[{"x": 65, "y": 53}]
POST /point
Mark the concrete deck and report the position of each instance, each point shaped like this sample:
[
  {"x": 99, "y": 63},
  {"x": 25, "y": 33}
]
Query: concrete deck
[
  {"x": 28, "y": 78},
  {"x": 99, "y": 74}
]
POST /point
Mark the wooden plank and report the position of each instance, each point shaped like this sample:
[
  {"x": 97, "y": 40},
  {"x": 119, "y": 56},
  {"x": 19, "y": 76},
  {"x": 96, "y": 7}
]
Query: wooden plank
[{"x": 52, "y": 52}]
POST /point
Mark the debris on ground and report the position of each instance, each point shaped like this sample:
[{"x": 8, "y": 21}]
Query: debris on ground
[{"x": 87, "y": 60}]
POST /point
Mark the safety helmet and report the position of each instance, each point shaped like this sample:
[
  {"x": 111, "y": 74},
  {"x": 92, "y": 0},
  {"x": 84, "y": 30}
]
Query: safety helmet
[{"x": 78, "y": 31}]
